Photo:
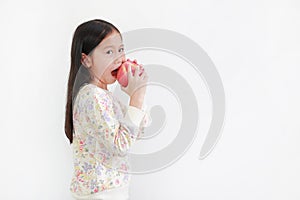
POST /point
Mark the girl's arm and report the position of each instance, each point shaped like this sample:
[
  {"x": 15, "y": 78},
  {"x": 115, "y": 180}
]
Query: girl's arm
[
  {"x": 116, "y": 135},
  {"x": 147, "y": 118}
]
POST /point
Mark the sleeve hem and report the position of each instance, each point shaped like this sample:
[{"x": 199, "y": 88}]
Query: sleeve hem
[{"x": 134, "y": 115}]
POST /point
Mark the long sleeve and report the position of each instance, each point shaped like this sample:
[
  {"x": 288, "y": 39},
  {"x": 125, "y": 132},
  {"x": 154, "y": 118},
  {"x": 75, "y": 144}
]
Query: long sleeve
[
  {"x": 116, "y": 135},
  {"x": 133, "y": 111}
]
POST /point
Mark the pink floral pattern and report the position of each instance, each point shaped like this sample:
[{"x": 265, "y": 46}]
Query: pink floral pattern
[{"x": 101, "y": 139}]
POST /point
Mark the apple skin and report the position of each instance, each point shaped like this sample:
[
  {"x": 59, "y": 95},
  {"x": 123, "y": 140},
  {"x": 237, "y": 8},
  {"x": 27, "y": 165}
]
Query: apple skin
[{"x": 123, "y": 71}]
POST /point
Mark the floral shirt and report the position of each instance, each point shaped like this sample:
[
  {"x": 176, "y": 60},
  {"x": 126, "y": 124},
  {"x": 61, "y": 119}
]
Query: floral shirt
[{"x": 104, "y": 130}]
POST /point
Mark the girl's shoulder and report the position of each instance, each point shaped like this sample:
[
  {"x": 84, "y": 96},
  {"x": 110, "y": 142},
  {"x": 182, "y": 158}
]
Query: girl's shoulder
[
  {"x": 88, "y": 88},
  {"x": 90, "y": 91}
]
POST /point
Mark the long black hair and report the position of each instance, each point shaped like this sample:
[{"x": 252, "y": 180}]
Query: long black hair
[{"x": 86, "y": 37}]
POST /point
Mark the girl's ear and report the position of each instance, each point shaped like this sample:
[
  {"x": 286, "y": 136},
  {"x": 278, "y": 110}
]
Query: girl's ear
[{"x": 86, "y": 60}]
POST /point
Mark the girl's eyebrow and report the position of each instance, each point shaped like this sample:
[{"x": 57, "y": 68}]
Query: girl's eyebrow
[{"x": 113, "y": 46}]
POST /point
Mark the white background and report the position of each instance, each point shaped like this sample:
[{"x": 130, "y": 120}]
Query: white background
[{"x": 255, "y": 47}]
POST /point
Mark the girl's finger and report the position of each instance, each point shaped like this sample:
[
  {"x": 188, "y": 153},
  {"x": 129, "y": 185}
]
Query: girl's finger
[
  {"x": 144, "y": 72},
  {"x": 137, "y": 72},
  {"x": 145, "y": 77},
  {"x": 129, "y": 71},
  {"x": 142, "y": 75}
]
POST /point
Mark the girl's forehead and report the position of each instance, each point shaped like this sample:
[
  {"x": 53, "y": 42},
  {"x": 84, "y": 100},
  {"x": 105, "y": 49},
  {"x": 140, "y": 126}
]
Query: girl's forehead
[{"x": 114, "y": 39}]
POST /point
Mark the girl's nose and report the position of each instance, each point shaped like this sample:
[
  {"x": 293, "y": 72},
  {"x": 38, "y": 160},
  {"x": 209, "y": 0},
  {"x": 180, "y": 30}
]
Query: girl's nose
[{"x": 120, "y": 59}]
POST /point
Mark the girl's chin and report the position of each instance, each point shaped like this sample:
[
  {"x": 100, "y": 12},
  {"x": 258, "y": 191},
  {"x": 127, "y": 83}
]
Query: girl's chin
[{"x": 114, "y": 78}]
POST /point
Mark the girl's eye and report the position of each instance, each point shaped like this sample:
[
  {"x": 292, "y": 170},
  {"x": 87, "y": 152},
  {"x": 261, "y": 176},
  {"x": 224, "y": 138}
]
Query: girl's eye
[{"x": 109, "y": 52}]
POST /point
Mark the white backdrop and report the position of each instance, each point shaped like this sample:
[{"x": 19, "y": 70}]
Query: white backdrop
[{"x": 255, "y": 47}]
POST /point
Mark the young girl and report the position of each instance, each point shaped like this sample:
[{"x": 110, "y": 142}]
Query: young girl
[{"x": 100, "y": 128}]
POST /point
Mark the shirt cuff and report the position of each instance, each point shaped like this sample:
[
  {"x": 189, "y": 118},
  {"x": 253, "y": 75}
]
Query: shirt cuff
[
  {"x": 134, "y": 115},
  {"x": 147, "y": 119}
]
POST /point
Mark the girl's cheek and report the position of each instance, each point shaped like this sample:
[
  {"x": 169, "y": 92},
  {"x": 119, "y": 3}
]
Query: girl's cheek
[
  {"x": 100, "y": 67},
  {"x": 107, "y": 61}
]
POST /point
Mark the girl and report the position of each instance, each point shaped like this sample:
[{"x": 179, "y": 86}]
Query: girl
[{"x": 99, "y": 127}]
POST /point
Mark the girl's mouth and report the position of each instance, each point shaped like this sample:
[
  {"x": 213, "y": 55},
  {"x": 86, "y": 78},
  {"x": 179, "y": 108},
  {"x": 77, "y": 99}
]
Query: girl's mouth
[{"x": 115, "y": 72}]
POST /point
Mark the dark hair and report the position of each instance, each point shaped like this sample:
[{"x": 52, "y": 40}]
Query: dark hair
[{"x": 86, "y": 37}]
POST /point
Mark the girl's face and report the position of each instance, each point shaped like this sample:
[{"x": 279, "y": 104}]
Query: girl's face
[{"x": 105, "y": 58}]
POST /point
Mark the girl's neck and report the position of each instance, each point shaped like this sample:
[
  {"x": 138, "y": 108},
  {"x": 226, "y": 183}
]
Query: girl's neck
[{"x": 99, "y": 84}]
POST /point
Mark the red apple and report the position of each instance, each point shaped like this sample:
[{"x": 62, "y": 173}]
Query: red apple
[{"x": 123, "y": 71}]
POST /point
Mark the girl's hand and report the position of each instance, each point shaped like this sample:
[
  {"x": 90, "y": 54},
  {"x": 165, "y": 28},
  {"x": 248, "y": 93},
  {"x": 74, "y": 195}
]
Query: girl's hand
[{"x": 136, "y": 84}]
